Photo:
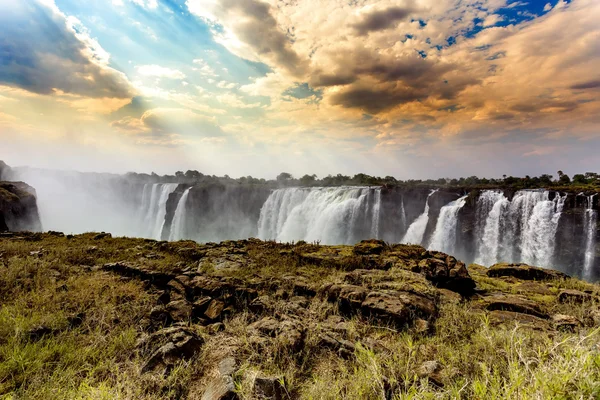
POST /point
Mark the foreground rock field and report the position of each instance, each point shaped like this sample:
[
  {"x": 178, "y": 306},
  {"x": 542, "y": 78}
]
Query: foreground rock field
[{"x": 91, "y": 316}]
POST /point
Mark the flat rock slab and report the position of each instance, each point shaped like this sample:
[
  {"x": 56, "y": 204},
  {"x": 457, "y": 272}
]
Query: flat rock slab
[
  {"x": 524, "y": 272},
  {"x": 508, "y": 302}
]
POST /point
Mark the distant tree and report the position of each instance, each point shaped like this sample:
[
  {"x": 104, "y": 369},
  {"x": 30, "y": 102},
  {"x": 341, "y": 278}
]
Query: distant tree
[
  {"x": 308, "y": 180},
  {"x": 192, "y": 174},
  {"x": 563, "y": 179},
  {"x": 284, "y": 178},
  {"x": 546, "y": 179},
  {"x": 179, "y": 174},
  {"x": 579, "y": 179}
]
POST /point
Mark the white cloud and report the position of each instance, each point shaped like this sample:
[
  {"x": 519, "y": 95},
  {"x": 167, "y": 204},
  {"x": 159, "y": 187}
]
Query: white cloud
[
  {"x": 492, "y": 20},
  {"x": 548, "y": 7},
  {"x": 226, "y": 85},
  {"x": 160, "y": 72}
]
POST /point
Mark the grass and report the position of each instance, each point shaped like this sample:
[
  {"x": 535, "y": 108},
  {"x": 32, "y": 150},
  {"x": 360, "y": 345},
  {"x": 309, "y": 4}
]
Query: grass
[{"x": 94, "y": 318}]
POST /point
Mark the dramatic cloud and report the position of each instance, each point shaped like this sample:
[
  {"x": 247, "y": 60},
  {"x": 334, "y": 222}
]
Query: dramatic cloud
[
  {"x": 160, "y": 72},
  {"x": 379, "y": 20},
  {"x": 42, "y": 51}
]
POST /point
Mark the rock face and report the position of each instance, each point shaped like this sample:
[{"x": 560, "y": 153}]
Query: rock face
[
  {"x": 525, "y": 272},
  {"x": 18, "y": 207}
]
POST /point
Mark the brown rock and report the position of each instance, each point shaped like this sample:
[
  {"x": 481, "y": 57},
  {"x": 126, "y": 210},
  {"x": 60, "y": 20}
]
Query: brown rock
[
  {"x": 573, "y": 296},
  {"x": 511, "y": 318},
  {"x": 179, "y": 310},
  {"x": 446, "y": 272},
  {"x": 566, "y": 322},
  {"x": 507, "y": 302},
  {"x": 525, "y": 272},
  {"x": 368, "y": 247},
  {"x": 432, "y": 371},
  {"x": 214, "y": 310},
  {"x": 222, "y": 386},
  {"x": 180, "y": 343},
  {"x": 397, "y": 308},
  {"x": 533, "y": 287}
]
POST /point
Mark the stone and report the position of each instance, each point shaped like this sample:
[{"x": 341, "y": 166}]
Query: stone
[
  {"x": 180, "y": 343},
  {"x": 524, "y": 272},
  {"x": 222, "y": 386},
  {"x": 179, "y": 310},
  {"x": 288, "y": 333},
  {"x": 214, "y": 309},
  {"x": 573, "y": 296},
  {"x": 397, "y": 308},
  {"x": 343, "y": 347},
  {"x": 432, "y": 371},
  {"x": 368, "y": 247},
  {"x": 446, "y": 272},
  {"x": 510, "y": 318},
  {"x": 595, "y": 317},
  {"x": 102, "y": 235},
  {"x": 448, "y": 296},
  {"x": 564, "y": 322},
  {"x": 270, "y": 388},
  {"x": 515, "y": 303},
  {"x": 38, "y": 332}
]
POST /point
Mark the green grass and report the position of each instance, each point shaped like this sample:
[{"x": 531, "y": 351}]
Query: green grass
[{"x": 97, "y": 358}]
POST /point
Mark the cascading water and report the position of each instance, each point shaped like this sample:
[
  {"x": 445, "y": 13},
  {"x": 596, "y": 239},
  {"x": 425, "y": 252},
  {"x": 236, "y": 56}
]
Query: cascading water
[
  {"x": 490, "y": 236},
  {"x": 444, "y": 236},
  {"x": 416, "y": 230},
  {"x": 178, "y": 224},
  {"x": 376, "y": 214},
  {"x": 340, "y": 215},
  {"x": 539, "y": 237},
  {"x": 589, "y": 225},
  {"x": 153, "y": 210}
]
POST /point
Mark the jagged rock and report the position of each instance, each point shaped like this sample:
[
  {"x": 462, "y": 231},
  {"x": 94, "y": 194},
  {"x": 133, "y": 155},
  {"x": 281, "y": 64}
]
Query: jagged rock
[
  {"x": 507, "y": 302},
  {"x": 566, "y": 322},
  {"x": 511, "y": 318},
  {"x": 446, "y": 272},
  {"x": 207, "y": 286},
  {"x": 524, "y": 271},
  {"x": 102, "y": 235},
  {"x": 214, "y": 310},
  {"x": 222, "y": 386},
  {"x": 126, "y": 269},
  {"x": 270, "y": 388},
  {"x": 179, "y": 310},
  {"x": 159, "y": 316},
  {"x": 432, "y": 371},
  {"x": 574, "y": 296},
  {"x": 343, "y": 347},
  {"x": 176, "y": 343},
  {"x": 368, "y": 247},
  {"x": 289, "y": 332},
  {"x": 448, "y": 296},
  {"x": 18, "y": 207},
  {"x": 389, "y": 306}
]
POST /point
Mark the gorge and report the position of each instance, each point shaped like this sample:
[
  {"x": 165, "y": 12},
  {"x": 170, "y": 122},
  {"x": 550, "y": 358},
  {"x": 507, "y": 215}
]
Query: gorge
[{"x": 547, "y": 228}]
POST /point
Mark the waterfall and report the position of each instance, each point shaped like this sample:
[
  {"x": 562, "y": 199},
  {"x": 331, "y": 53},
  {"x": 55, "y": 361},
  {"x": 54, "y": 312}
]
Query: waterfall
[
  {"x": 402, "y": 215},
  {"x": 153, "y": 210},
  {"x": 178, "y": 224},
  {"x": 416, "y": 230},
  {"x": 340, "y": 215},
  {"x": 376, "y": 214},
  {"x": 489, "y": 238},
  {"x": 589, "y": 225},
  {"x": 444, "y": 236},
  {"x": 159, "y": 219},
  {"x": 538, "y": 239}
]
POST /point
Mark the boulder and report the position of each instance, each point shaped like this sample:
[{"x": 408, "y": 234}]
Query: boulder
[
  {"x": 179, "y": 310},
  {"x": 168, "y": 346},
  {"x": 524, "y": 272},
  {"x": 573, "y": 296},
  {"x": 368, "y": 247},
  {"x": 566, "y": 322},
  {"x": 446, "y": 272},
  {"x": 214, "y": 309},
  {"x": 288, "y": 332},
  {"x": 514, "y": 303},
  {"x": 398, "y": 308},
  {"x": 18, "y": 208},
  {"x": 222, "y": 386},
  {"x": 510, "y": 318}
]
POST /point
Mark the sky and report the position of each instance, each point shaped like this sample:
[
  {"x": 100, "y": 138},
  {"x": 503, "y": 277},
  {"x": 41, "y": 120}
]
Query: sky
[{"x": 410, "y": 88}]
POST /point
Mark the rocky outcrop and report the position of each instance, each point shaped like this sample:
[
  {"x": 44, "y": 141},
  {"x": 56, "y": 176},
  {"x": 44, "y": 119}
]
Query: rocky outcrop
[
  {"x": 18, "y": 207},
  {"x": 525, "y": 272}
]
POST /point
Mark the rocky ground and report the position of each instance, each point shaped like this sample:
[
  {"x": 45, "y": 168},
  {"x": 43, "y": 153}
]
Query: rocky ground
[{"x": 91, "y": 316}]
